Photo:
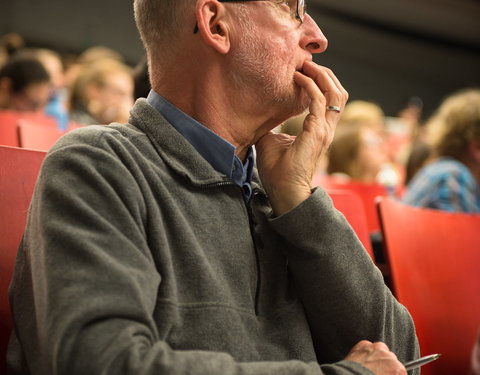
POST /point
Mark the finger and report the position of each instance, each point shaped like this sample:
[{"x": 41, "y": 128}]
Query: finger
[
  {"x": 337, "y": 83},
  {"x": 316, "y": 121},
  {"x": 317, "y": 99},
  {"x": 334, "y": 93},
  {"x": 313, "y": 70},
  {"x": 325, "y": 79}
]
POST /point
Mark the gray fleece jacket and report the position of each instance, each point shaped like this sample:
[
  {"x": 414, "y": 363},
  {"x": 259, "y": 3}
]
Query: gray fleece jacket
[{"x": 140, "y": 258}]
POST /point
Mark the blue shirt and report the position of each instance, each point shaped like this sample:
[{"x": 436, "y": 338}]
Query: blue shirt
[
  {"x": 56, "y": 108},
  {"x": 445, "y": 184},
  {"x": 213, "y": 148}
]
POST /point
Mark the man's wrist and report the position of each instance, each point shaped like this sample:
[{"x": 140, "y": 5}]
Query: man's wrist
[{"x": 285, "y": 200}]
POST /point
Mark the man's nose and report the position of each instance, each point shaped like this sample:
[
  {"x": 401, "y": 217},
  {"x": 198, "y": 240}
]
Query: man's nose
[{"x": 313, "y": 39}]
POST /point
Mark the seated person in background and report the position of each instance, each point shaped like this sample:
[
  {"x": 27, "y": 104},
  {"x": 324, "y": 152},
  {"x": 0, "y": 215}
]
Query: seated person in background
[
  {"x": 97, "y": 53},
  {"x": 167, "y": 246},
  {"x": 56, "y": 106},
  {"x": 404, "y": 129},
  {"x": 24, "y": 85},
  {"x": 451, "y": 182},
  {"x": 418, "y": 157},
  {"x": 10, "y": 43},
  {"x": 102, "y": 93},
  {"x": 364, "y": 113},
  {"x": 75, "y": 63},
  {"x": 358, "y": 153},
  {"x": 410, "y": 112}
]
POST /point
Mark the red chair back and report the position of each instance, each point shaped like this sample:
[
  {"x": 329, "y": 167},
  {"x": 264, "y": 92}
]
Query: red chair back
[
  {"x": 367, "y": 193},
  {"x": 8, "y": 125},
  {"x": 37, "y": 136},
  {"x": 8, "y": 128},
  {"x": 18, "y": 173},
  {"x": 434, "y": 259},
  {"x": 351, "y": 206}
]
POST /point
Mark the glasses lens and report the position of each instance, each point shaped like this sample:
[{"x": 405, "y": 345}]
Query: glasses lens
[{"x": 300, "y": 9}]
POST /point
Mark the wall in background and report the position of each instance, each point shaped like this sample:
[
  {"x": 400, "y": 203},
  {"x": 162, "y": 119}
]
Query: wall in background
[{"x": 382, "y": 50}]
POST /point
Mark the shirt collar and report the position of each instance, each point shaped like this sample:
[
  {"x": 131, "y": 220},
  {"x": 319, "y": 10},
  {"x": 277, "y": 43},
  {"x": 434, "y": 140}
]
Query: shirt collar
[{"x": 213, "y": 148}]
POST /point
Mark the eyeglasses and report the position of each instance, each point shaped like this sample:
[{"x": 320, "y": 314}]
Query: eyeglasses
[{"x": 297, "y": 8}]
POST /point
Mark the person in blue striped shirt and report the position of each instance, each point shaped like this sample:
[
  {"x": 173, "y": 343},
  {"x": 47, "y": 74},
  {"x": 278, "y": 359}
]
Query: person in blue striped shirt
[{"x": 451, "y": 180}]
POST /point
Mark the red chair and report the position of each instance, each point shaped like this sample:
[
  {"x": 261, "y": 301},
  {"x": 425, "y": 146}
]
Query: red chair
[
  {"x": 37, "y": 136},
  {"x": 434, "y": 259},
  {"x": 351, "y": 206},
  {"x": 8, "y": 125},
  {"x": 367, "y": 193},
  {"x": 18, "y": 173},
  {"x": 8, "y": 128}
]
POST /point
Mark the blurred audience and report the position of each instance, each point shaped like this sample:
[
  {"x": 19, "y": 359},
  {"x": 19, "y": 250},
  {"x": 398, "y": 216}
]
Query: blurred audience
[
  {"x": 24, "y": 85},
  {"x": 56, "y": 106},
  {"x": 418, "y": 157},
  {"x": 451, "y": 181},
  {"x": 410, "y": 112},
  {"x": 75, "y": 64},
  {"x": 359, "y": 150},
  {"x": 365, "y": 113},
  {"x": 102, "y": 93},
  {"x": 403, "y": 129},
  {"x": 357, "y": 153},
  {"x": 10, "y": 43},
  {"x": 51, "y": 60}
]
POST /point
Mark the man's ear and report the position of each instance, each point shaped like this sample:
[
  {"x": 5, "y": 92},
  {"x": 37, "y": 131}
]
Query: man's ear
[{"x": 212, "y": 25}]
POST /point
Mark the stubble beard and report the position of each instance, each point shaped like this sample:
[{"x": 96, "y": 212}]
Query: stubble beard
[{"x": 256, "y": 70}]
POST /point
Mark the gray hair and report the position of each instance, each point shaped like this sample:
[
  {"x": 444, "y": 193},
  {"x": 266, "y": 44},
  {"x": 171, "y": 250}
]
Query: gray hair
[{"x": 158, "y": 20}]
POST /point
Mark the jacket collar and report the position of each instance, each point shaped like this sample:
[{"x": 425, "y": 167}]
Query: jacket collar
[{"x": 174, "y": 149}]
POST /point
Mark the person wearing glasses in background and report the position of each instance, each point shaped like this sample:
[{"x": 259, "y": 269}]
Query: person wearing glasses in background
[{"x": 165, "y": 246}]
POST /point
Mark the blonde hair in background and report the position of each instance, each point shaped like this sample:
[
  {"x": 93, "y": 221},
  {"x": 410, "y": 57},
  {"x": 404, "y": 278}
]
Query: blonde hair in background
[
  {"x": 455, "y": 123},
  {"x": 364, "y": 113},
  {"x": 94, "y": 73},
  {"x": 96, "y": 53},
  {"x": 344, "y": 150}
]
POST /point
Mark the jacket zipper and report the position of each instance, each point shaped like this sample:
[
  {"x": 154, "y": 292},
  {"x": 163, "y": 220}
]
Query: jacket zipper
[
  {"x": 253, "y": 233},
  {"x": 251, "y": 222}
]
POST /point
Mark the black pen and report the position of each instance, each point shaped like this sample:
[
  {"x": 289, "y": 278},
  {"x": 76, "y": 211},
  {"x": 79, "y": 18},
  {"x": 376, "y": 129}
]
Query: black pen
[{"x": 421, "y": 361}]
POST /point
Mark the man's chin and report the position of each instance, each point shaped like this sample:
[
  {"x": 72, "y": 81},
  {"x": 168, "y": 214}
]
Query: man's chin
[{"x": 293, "y": 104}]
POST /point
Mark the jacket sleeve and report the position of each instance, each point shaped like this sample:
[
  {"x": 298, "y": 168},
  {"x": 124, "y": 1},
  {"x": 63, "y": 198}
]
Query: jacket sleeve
[
  {"x": 86, "y": 285},
  {"x": 343, "y": 292}
]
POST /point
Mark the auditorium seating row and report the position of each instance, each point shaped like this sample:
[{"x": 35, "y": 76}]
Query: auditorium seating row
[
  {"x": 30, "y": 130},
  {"x": 431, "y": 257}
]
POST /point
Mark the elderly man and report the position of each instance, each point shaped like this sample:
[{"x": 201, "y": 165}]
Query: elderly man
[{"x": 157, "y": 248}]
